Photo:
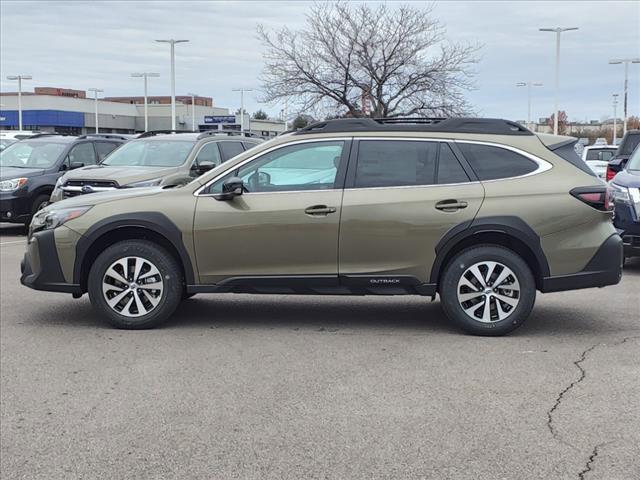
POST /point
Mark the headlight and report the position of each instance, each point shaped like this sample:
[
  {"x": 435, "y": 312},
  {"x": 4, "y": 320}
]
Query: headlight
[
  {"x": 146, "y": 183},
  {"x": 48, "y": 219},
  {"x": 11, "y": 185},
  {"x": 619, "y": 194}
]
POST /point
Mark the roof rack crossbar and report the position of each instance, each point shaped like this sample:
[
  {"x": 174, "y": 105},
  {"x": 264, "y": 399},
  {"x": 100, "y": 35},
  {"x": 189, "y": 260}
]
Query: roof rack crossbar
[{"x": 490, "y": 126}]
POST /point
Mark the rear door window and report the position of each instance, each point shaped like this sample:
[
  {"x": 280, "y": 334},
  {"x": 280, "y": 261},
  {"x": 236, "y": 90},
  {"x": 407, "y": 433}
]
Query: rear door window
[
  {"x": 231, "y": 149},
  {"x": 492, "y": 163},
  {"x": 449, "y": 168},
  {"x": 390, "y": 163}
]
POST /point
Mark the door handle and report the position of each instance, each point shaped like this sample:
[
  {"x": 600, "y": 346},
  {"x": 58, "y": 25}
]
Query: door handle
[
  {"x": 319, "y": 210},
  {"x": 451, "y": 205}
]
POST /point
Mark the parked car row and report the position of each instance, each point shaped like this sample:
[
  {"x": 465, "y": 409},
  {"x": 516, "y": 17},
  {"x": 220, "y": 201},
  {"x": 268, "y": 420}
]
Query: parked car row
[
  {"x": 47, "y": 168},
  {"x": 482, "y": 212}
]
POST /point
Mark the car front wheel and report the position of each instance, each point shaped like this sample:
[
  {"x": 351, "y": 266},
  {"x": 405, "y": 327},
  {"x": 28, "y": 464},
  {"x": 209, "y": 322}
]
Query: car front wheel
[
  {"x": 135, "y": 284},
  {"x": 487, "y": 290}
]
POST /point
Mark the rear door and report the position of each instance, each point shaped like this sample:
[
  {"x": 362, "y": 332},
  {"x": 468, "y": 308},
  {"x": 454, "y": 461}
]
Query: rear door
[{"x": 401, "y": 197}]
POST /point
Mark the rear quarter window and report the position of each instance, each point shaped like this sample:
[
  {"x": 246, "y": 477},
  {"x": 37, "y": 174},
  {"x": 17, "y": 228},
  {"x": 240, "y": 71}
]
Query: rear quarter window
[{"x": 492, "y": 163}]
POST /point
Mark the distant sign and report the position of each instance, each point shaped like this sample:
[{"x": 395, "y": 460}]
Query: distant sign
[{"x": 219, "y": 119}]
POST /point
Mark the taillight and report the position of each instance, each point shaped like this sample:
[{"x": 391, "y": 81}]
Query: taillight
[
  {"x": 610, "y": 173},
  {"x": 597, "y": 197}
]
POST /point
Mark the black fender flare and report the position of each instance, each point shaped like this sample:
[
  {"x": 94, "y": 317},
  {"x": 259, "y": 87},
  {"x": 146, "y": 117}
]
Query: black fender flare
[
  {"x": 511, "y": 226},
  {"x": 153, "y": 221}
]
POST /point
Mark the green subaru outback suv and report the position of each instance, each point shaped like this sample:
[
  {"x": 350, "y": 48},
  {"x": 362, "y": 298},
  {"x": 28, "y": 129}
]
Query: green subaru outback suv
[{"x": 482, "y": 212}]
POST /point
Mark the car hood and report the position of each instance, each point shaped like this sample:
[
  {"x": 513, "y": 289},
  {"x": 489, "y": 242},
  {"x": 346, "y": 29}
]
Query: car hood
[
  {"x": 103, "y": 197},
  {"x": 628, "y": 178},
  {"x": 120, "y": 175},
  {"x": 7, "y": 173}
]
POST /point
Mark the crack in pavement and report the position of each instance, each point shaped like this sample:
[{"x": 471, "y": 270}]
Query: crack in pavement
[
  {"x": 583, "y": 374},
  {"x": 589, "y": 465},
  {"x": 560, "y": 397}
]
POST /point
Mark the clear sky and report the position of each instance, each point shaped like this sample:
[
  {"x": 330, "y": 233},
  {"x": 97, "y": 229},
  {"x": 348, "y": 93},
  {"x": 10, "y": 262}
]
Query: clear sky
[{"x": 83, "y": 44}]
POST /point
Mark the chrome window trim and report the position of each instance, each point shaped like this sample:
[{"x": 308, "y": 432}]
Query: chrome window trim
[{"x": 264, "y": 152}]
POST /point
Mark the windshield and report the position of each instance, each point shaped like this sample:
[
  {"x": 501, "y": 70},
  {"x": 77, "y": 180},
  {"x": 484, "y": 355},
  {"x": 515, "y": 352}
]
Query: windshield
[
  {"x": 634, "y": 161},
  {"x": 34, "y": 154},
  {"x": 5, "y": 142},
  {"x": 630, "y": 143},
  {"x": 150, "y": 153}
]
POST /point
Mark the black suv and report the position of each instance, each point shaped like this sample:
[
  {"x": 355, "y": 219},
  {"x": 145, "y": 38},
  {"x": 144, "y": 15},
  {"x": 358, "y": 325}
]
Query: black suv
[
  {"x": 628, "y": 144},
  {"x": 30, "y": 168}
]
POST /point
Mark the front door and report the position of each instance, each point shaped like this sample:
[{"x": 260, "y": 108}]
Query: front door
[
  {"x": 401, "y": 197},
  {"x": 286, "y": 222}
]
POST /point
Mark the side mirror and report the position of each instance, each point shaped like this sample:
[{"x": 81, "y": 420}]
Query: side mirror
[
  {"x": 231, "y": 188},
  {"x": 204, "y": 166},
  {"x": 74, "y": 165}
]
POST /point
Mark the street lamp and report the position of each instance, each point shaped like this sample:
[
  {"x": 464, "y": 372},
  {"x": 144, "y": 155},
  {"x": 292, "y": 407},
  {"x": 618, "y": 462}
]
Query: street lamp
[
  {"x": 615, "y": 118},
  {"x": 173, "y": 42},
  {"x": 95, "y": 96},
  {"x": 193, "y": 110},
  {"x": 19, "y": 78},
  {"x": 558, "y": 31},
  {"x": 145, "y": 75},
  {"x": 626, "y": 62},
  {"x": 529, "y": 84},
  {"x": 242, "y": 90}
]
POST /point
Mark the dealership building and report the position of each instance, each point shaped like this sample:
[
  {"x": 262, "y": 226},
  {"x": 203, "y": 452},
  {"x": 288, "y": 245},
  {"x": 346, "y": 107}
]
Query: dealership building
[{"x": 69, "y": 111}]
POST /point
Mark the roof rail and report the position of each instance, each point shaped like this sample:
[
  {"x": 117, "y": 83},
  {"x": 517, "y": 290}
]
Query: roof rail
[
  {"x": 225, "y": 133},
  {"x": 106, "y": 135},
  {"x": 46, "y": 134},
  {"x": 492, "y": 126},
  {"x": 153, "y": 133}
]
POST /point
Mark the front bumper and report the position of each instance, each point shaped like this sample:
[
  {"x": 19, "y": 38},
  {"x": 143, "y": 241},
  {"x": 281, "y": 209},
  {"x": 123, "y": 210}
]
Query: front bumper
[
  {"x": 40, "y": 266},
  {"x": 14, "y": 208},
  {"x": 605, "y": 268},
  {"x": 628, "y": 226}
]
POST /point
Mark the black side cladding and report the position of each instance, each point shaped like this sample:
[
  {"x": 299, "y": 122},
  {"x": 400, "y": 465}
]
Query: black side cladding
[{"x": 566, "y": 151}]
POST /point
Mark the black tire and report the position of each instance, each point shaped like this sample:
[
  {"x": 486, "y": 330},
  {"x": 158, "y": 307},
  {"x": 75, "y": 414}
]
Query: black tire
[
  {"x": 39, "y": 202},
  {"x": 167, "y": 267},
  {"x": 475, "y": 326}
]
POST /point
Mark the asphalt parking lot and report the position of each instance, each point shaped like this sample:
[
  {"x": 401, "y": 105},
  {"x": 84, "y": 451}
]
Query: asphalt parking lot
[{"x": 260, "y": 387}]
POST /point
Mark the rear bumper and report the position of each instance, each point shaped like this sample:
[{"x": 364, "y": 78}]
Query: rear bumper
[
  {"x": 40, "y": 267},
  {"x": 605, "y": 268}
]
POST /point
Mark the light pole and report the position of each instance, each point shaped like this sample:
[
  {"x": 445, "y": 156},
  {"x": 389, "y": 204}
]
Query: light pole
[
  {"x": 615, "y": 118},
  {"x": 193, "y": 110},
  {"x": 558, "y": 31},
  {"x": 173, "y": 42},
  {"x": 529, "y": 84},
  {"x": 242, "y": 90},
  {"x": 145, "y": 75},
  {"x": 95, "y": 96},
  {"x": 19, "y": 78},
  {"x": 626, "y": 62}
]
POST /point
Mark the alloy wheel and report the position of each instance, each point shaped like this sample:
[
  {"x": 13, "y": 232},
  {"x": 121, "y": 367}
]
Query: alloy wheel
[
  {"x": 488, "y": 291},
  {"x": 132, "y": 286}
]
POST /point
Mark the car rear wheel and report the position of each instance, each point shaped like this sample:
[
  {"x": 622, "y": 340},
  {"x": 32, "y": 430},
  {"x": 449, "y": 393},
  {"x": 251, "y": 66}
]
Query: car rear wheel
[
  {"x": 135, "y": 284},
  {"x": 487, "y": 290}
]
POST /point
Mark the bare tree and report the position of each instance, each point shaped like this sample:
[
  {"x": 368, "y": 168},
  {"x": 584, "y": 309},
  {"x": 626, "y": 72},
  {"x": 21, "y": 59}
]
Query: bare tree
[{"x": 364, "y": 61}]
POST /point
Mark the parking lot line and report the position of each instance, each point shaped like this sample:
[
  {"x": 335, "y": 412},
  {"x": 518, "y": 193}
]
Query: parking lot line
[{"x": 13, "y": 242}]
